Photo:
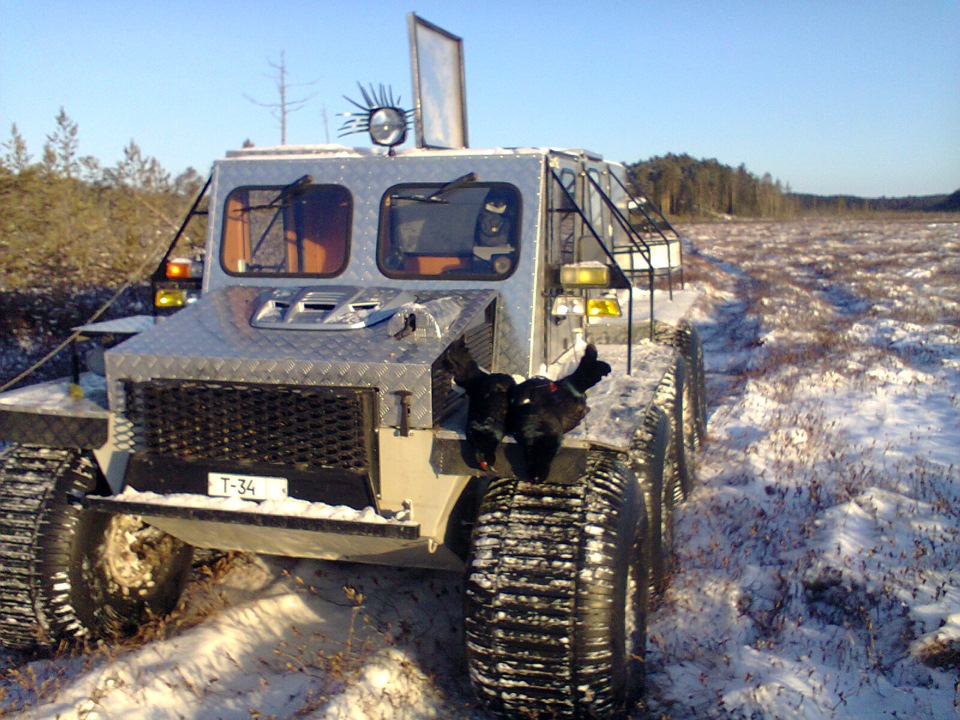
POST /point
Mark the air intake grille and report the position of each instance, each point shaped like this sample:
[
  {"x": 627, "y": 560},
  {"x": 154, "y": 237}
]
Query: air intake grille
[{"x": 306, "y": 427}]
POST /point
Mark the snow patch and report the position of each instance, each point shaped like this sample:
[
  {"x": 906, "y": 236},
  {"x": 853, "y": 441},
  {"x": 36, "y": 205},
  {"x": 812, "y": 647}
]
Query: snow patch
[{"x": 286, "y": 507}]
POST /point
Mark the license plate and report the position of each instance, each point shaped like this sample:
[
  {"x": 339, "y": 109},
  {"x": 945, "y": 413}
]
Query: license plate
[{"x": 248, "y": 487}]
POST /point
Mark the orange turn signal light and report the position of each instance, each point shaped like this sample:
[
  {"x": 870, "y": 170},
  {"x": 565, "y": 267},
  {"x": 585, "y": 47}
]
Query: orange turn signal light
[{"x": 179, "y": 269}]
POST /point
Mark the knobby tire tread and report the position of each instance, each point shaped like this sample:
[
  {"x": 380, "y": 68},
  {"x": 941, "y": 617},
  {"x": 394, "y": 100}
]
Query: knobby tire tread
[
  {"x": 35, "y": 530},
  {"x": 533, "y": 646}
]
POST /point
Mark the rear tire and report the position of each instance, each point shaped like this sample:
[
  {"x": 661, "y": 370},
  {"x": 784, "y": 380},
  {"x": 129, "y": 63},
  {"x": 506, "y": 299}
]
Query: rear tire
[
  {"x": 685, "y": 338},
  {"x": 650, "y": 452},
  {"x": 672, "y": 397},
  {"x": 71, "y": 574},
  {"x": 557, "y": 592}
]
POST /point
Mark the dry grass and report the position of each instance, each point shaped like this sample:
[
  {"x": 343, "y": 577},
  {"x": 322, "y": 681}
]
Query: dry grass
[
  {"x": 798, "y": 316},
  {"x": 36, "y": 679}
]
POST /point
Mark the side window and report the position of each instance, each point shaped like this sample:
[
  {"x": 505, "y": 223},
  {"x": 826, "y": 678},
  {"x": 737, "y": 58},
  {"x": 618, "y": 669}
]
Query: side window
[
  {"x": 292, "y": 230},
  {"x": 471, "y": 232},
  {"x": 564, "y": 217}
]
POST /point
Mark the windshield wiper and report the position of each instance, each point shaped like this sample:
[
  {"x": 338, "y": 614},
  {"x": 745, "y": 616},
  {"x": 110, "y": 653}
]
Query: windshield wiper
[
  {"x": 291, "y": 189},
  {"x": 285, "y": 192},
  {"x": 437, "y": 195},
  {"x": 462, "y": 181}
]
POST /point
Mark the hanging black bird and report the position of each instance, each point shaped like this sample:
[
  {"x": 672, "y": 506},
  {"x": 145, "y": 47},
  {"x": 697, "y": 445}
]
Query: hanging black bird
[
  {"x": 489, "y": 401},
  {"x": 542, "y": 410}
]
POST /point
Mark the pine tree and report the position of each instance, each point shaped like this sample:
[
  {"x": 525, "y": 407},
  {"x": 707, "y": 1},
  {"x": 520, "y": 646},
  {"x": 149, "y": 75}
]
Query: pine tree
[
  {"x": 60, "y": 150},
  {"x": 16, "y": 159},
  {"x": 138, "y": 172}
]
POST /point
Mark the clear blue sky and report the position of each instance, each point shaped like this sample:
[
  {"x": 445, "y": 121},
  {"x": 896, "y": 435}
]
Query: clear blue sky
[{"x": 830, "y": 96}]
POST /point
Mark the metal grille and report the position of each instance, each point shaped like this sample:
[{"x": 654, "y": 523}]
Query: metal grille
[
  {"x": 480, "y": 342},
  {"x": 307, "y": 427}
]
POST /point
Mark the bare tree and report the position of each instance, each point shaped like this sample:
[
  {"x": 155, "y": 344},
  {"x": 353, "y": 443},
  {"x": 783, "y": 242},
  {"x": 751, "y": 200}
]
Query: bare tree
[{"x": 285, "y": 106}]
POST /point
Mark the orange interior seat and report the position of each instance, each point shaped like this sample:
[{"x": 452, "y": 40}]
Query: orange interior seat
[{"x": 434, "y": 264}]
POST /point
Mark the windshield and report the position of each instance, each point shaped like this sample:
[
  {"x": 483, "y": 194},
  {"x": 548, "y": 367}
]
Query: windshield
[
  {"x": 297, "y": 229},
  {"x": 461, "y": 228}
]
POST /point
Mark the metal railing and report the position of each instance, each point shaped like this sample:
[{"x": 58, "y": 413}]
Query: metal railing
[
  {"x": 648, "y": 210},
  {"x": 635, "y": 244}
]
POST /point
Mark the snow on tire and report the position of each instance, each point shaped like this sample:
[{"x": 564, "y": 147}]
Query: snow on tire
[
  {"x": 56, "y": 584},
  {"x": 650, "y": 453},
  {"x": 556, "y": 594},
  {"x": 685, "y": 338}
]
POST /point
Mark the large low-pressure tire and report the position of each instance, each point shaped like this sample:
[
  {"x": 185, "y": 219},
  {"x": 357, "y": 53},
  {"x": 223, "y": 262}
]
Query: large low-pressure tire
[
  {"x": 650, "y": 452},
  {"x": 71, "y": 574},
  {"x": 556, "y": 594},
  {"x": 685, "y": 338},
  {"x": 672, "y": 397}
]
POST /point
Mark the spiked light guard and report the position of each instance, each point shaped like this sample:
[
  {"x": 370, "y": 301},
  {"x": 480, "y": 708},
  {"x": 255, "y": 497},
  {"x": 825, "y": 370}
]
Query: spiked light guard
[{"x": 380, "y": 116}]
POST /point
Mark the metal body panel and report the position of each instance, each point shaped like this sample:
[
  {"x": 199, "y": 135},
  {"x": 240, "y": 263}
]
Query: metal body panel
[
  {"x": 214, "y": 340},
  {"x": 50, "y": 414},
  {"x": 398, "y": 531},
  {"x": 291, "y": 536},
  {"x": 411, "y": 481},
  {"x": 286, "y": 542},
  {"x": 368, "y": 176},
  {"x": 130, "y": 325},
  {"x": 53, "y": 429}
]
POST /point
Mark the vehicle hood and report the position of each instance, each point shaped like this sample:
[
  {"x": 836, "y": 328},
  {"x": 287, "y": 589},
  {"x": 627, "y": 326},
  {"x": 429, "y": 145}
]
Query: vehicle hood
[{"x": 238, "y": 334}]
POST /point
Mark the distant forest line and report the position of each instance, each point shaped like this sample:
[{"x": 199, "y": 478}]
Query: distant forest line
[
  {"x": 683, "y": 186},
  {"x": 68, "y": 222}
]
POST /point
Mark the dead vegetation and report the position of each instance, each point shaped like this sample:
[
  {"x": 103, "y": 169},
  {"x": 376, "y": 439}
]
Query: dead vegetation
[{"x": 815, "y": 518}]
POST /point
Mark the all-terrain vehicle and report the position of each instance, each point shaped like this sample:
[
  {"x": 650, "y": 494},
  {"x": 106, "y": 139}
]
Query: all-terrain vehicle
[{"x": 298, "y": 404}]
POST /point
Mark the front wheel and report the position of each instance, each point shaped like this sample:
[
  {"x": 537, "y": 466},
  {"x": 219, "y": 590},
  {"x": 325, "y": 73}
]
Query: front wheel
[
  {"x": 130, "y": 572},
  {"x": 556, "y": 594},
  {"x": 71, "y": 574}
]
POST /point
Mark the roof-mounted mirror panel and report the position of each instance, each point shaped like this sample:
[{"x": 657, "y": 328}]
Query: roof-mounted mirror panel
[{"x": 439, "y": 85}]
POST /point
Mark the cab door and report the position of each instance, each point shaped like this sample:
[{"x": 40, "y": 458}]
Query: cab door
[{"x": 564, "y": 226}]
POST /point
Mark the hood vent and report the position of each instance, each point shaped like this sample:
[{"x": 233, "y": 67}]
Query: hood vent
[{"x": 329, "y": 308}]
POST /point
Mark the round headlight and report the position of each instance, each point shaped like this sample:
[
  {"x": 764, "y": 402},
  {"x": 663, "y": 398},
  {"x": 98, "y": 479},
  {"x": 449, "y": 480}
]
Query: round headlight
[{"x": 388, "y": 126}]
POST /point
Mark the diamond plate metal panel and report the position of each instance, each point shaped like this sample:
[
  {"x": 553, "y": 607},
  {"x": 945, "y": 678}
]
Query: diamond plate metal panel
[
  {"x": 53, "y": 430},
  {"x": 214, "y": 341},
  {"x": 368, "y": 175},
  {"x": 49, "y": 414}
]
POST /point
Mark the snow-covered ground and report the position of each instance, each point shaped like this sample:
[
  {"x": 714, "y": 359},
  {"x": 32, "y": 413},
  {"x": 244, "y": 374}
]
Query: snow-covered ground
[
  {"x": 817, "y": 560},
  {"x": 816, "y": 569}
]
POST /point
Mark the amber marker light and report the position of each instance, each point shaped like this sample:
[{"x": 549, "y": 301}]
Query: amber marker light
[
  {"x": 170, "y": 298},
  {"x": 603, "y": 307},
  {"x": 180, "y": 269},
  {"x": 585, "y": 276}
]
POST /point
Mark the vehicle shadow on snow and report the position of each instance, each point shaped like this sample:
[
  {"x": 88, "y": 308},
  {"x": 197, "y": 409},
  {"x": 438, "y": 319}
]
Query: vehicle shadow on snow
[
  {"x": 272, "y": 637},
  {"x": 359, "y": 636}
]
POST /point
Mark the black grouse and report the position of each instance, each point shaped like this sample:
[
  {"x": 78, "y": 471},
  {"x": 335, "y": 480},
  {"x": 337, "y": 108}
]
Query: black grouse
[
  {"x": 489, "y": 401},
  {"x": 542, "y": 410}
]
